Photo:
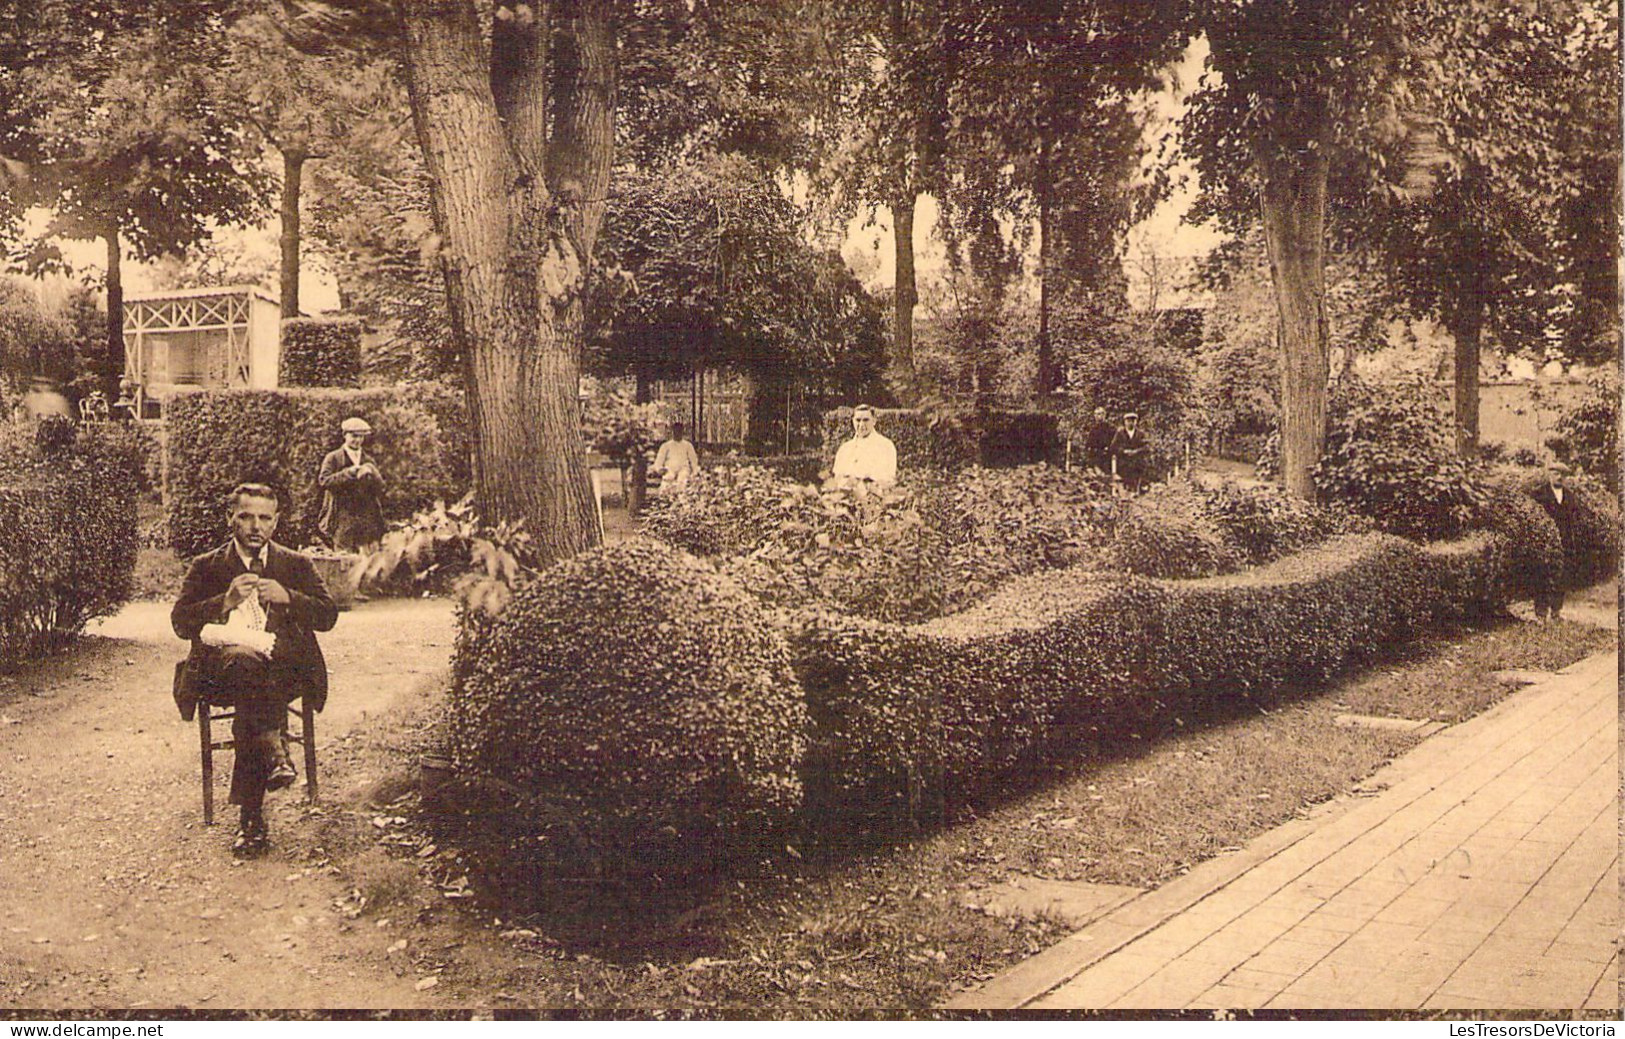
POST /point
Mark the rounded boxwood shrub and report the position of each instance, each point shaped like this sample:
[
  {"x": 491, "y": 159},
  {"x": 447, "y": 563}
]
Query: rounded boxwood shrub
[
  {"x": 1535, "y": 548},
  {"x": 642, "y": 705}
]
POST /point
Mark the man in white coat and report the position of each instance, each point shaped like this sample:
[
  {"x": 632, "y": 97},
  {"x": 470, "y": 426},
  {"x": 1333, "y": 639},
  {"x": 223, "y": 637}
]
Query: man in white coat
[{"x": 868, "y": 460}]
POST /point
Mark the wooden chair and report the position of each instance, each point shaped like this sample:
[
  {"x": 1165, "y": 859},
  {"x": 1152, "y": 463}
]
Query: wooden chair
[{"x": 211, "y": 710}]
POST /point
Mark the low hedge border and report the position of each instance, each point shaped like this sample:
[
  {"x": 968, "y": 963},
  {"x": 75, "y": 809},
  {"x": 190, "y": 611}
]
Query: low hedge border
[
  {"x": 217, "y": 439},
  {"x": 715, "y": 721},
  {"x": 908, "y": 720}
]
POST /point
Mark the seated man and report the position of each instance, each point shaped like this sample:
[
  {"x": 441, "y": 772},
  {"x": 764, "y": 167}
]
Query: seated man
[
  {"x": 251, "y": 609},
  {"x": 868, "y": 460}
]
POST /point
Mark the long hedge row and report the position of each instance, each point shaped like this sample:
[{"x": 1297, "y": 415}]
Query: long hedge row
[
  {"x": 910, "y": 717},
  {"x": 895, "y": 719}
]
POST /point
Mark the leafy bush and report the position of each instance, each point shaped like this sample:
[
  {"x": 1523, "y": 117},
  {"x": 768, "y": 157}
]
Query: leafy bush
[
  {"x": 1587, "y": 435},
  {"x": 139, "y": 450},
  {"x": 1169, "y": 533},
  {"x": 907, "y": 720},
  {"x": 1536, "y": 548},
  {"x": 1585, "y": 526},
  {"x": 1390, "y": 454},
  {"x": 67, "y": 539},
  {"x": 640, "y": 703},
  {"x": 1263, "y": 523},
  {"x": 321, "y": 352},
  {"x": 930, "y": 545},
  {"x": 219, "y": 438}
]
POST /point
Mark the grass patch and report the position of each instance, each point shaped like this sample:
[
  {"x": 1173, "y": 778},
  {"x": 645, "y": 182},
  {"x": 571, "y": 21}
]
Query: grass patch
[{"x": 878, "y": 923}]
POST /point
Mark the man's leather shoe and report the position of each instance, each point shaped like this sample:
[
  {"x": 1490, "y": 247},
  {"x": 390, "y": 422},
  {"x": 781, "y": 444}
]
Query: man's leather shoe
[
  {"x": 252, "y": 839},
  {"x": 282, "y": 776}
]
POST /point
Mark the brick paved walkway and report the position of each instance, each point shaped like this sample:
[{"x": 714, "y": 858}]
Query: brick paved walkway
[{"x": 1484, "y": 876}]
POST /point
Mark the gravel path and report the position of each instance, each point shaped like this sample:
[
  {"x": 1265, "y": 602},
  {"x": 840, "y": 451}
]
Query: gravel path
[{"x": 113, "y": 893}]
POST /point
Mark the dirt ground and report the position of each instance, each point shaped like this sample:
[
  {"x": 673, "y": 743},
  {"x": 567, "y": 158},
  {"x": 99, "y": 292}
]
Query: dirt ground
[{"x": 112, "y": 892}]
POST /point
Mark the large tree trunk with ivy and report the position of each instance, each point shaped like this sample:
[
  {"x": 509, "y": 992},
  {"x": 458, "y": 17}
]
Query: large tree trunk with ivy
[
  {"x": 518, "y": 148},
  {"x": 1292, "y": 198},
  {"x": 293, "y": 172}
]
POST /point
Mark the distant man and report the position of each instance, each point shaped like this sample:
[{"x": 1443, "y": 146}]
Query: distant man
[
  {"x": 352, "y": 514},
  {"x": 251, "y": 610},
  {"x": 1097, "y": 443},
  {"x": 867, "y": 460},
  {"x": 1555, "y": 496},
  {"x": 676, "y": 462},
  {"x": 1130, "y": 458}
]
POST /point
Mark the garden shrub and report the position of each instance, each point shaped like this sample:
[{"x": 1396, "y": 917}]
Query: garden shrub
[
  {"x": 1169, "y": 533},
  {"x": 1586, "y": 526},
  {"x": 1012, "y": 438},
  {"x": 1263, "y": 523},
  {"x": 930, "y": 545},
  {"x": 321, "y": 352},
  {"x": 1535, "y": 546},
  {"x": 139, "y": 449},
  {"x": 1587, "y": 434},
  {"x": 219, "y": 438},
  {"x": 1390, "y": 454},
  {"x": 67, "y": 538},
  {"x": 910, "y": 719},
  {"x": 642, "y": 704}
]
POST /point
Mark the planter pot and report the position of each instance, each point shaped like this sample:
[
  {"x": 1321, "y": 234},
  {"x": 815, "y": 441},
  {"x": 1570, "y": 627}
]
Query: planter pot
[{"x": 335, "y": 574}]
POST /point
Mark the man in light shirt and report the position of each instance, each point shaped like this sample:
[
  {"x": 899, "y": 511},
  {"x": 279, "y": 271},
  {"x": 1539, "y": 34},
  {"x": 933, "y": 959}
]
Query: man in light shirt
[
  {"x": 251, "y": 609},
  {"x": 676, "y": 462},
  {"x": 868, "y": 460}
]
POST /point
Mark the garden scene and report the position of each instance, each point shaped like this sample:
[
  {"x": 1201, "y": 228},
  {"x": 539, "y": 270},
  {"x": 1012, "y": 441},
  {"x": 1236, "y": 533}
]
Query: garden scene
[{"x": 805, "y": 509}]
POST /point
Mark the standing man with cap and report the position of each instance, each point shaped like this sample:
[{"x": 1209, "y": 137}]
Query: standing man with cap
[
  {"x": 1129, "y": 461},
  {"x": 352, "y": 492}
]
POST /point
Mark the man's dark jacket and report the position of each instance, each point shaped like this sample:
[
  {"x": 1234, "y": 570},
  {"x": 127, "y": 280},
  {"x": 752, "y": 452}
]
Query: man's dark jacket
[{"x": 297, "y": 664}]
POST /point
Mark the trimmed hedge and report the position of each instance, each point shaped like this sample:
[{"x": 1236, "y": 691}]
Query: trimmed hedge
[
  {"x": 219, "y": 438},
  {"x": 642, "y": 705},
  {"x": 907, "y": 719},
  {"x": 321, "y": 352},
  {"x": 67, "y": 538}
]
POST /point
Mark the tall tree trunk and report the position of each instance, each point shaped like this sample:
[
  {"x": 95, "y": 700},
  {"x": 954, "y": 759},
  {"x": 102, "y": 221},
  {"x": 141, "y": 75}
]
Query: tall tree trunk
[
  {"x": 1047, "y": 380},
  {"x": 1292, "y": 198},
  {"x": 513, "y": 270},
  {"x": 906, "y": 294},
  {"x": 114, "y": 364},
  {"x": 293, "y": 172},
  {"x": 1466, "y": 331}
]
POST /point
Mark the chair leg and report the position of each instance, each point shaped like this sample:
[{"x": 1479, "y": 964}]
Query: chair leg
[
  {"x": 206, "y": 746},
  {"x": 307, "y": 718}
]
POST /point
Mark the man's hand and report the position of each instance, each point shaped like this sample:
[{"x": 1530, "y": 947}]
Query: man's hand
[
  {"x": 242, "y": 586},
  {"x": 272, "y": 591}
]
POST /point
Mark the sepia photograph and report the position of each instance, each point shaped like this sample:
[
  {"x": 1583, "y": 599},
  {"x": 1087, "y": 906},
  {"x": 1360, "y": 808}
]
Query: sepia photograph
[{"x": 810, "y": 510}]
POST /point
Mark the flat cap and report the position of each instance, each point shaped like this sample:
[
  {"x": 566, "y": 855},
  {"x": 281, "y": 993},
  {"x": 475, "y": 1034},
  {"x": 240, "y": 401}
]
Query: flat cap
[{"x": 355, "y": 425}]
